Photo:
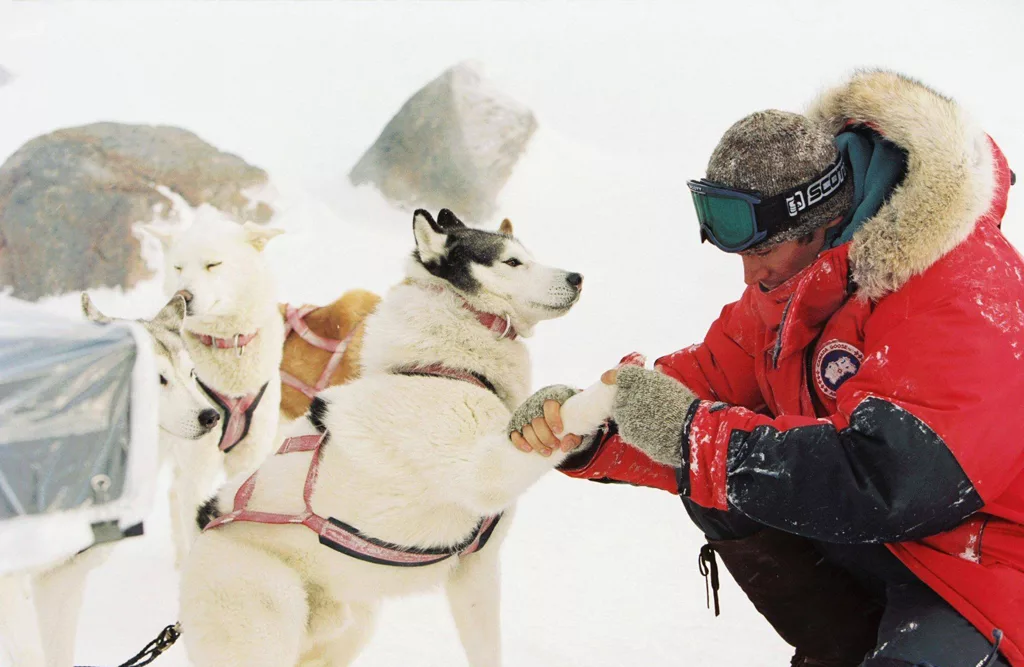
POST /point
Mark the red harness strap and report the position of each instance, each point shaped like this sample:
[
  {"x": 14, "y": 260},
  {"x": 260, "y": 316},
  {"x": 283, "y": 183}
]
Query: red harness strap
[
  {"x": 440, "y": 370},
  {"x": 238, "y": 341},
  {"x": 295, "y": 320},
  {"x": 341, "y": 536},
  {"x": 496, "y": 323},
  {"x": 238, "y": 414}
]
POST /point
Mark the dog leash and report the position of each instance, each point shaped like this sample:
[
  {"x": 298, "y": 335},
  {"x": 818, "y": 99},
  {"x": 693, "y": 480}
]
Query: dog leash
[{"x": 153, "y": 649}]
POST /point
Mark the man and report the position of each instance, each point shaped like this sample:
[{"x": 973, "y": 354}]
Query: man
[{"x": 847, "y": 435}]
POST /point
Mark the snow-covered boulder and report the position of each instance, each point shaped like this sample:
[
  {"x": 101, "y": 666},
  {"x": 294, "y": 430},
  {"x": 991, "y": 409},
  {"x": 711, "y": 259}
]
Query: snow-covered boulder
[
  {"x": 69, "y": 201},
  {"x": 453, "y": 145}
]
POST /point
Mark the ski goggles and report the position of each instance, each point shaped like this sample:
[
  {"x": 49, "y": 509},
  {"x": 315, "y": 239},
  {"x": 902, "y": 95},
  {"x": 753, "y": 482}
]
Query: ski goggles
[{"x": 735, "y": 220}]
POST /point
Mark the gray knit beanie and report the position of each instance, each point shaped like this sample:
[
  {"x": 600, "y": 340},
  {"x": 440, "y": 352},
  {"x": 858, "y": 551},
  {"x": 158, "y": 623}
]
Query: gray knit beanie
[{"x": 772, "y": 151}]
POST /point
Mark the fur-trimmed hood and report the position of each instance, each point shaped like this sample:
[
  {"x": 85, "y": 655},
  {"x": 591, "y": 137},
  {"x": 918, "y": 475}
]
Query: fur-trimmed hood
[{"x": 955, "y": 175}]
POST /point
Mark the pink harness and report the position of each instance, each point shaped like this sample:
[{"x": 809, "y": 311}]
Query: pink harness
[
  {"x": 345, "y": 538},
  {"x": 295, "y": 320},
  {"x": 334, "y": 533},
  {"x": 495, "y": 323},
  {"x": 238, "y": 414}
]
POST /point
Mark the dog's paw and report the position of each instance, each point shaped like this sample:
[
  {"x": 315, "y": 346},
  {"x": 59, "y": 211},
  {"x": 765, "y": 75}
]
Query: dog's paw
[
  {"x": 586, "y": 411},
  {"x": 533, "y": 407}
]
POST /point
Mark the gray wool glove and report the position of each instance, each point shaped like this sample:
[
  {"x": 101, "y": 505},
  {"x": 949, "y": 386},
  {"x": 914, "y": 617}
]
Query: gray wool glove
[
  {"x": 650, "y": 410},
  {"x": 533, "y": 407}
]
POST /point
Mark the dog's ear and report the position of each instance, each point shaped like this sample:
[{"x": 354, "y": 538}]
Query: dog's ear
[
  {"x": 447, "y": 220},
  {"x": 172, "y": 315},
  {"x": 92, "y": 312},
  {"x": 162, "y": 234},
  {"x": 430, "y": 236},
  {"x": 257, "y": 235},
  {"x": 506, "y": 227}
]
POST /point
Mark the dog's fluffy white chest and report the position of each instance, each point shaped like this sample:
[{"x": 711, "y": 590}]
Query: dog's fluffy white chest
[{"x": 386, "y": 469}]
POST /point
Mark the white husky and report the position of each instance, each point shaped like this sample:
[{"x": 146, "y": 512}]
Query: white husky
[
  {"x": 233, "y": 329},
  {"x": 414, "y": 466},
  {"x": 39, "y": 610}
]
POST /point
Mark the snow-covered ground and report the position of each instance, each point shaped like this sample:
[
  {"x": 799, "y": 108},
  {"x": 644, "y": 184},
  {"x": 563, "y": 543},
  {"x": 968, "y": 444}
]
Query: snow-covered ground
[{"x": 631, "y": 99}]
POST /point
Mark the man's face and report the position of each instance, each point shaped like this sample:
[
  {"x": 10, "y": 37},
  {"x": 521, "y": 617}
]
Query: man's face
[{"x": 778, "y": 264}]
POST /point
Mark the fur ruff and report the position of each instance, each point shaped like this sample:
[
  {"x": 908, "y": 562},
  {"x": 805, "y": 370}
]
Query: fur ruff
[
  {"x": 948, "y": 186},
  {"x": 424, "y": 325}
]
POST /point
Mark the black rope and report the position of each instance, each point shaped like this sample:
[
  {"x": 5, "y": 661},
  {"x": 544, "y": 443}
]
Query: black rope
[
  {"x": 707, "y": 565},
  {"x": 153, "y": 649}
]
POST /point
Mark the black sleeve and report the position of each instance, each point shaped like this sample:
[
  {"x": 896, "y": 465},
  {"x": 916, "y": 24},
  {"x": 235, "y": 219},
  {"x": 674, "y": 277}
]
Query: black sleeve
[{"x": 887, "y": 477}]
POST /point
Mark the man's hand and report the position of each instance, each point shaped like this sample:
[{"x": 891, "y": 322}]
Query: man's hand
[
  {"x": 650, "y": 410},
  {"x": 544, "y": 434},
  {"x": 536, "y": 425}
]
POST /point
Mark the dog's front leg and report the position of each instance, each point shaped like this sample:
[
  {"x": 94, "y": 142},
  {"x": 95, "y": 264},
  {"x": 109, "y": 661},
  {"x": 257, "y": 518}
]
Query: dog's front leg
[
  {"x": 490, "y": 482},
  {"x": 20, "y": 644},
  {"x": 474, "y": 595},
  {"x": 195, "y": 476},
  {"x": 181, "y": 521},
  {"x": 58, "y": 595}
]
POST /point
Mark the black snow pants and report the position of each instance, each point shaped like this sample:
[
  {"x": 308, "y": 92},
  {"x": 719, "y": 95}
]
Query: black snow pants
[{"x": 916, "y": 627}]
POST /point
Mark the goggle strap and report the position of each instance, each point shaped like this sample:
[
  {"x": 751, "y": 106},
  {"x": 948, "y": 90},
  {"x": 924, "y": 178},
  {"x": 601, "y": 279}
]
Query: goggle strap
[{"x": 808, "y": 195}]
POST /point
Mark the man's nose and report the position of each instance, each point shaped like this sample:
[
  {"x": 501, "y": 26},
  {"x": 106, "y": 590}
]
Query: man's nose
[{"x": 753, "y": 270}]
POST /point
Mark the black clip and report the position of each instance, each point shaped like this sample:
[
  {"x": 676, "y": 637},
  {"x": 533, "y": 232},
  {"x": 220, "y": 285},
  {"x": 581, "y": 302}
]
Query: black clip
[{"x": 707, "y": 565}]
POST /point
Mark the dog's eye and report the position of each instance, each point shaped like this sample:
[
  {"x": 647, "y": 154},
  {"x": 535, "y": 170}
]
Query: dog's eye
[
  {"x": 212, "y": 265},
  {"x": 163, "y": 381},
  {"x": 178, "y": 269},
  {"x": 513, "y": 262}
]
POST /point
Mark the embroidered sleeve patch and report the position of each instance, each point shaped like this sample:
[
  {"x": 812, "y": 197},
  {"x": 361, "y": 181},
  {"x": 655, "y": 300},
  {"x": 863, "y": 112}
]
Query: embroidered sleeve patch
[{"x": 836, "y": 362}]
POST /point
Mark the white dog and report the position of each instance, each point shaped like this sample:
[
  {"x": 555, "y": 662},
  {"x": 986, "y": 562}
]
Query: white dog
[
  {"x": 408, "y": 474},
  {"x": 39, "y": 610},
  {"x": 233, "y": 329}
]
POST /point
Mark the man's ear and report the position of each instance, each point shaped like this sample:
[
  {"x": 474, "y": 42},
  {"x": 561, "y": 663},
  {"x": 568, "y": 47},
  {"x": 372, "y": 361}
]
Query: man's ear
[
  {"x": 430, "y": 237},
  {"x": 257, "y": 235}
]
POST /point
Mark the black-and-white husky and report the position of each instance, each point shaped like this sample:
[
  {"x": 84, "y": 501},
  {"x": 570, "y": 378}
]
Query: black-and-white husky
[{"x": 413, "y": 458}]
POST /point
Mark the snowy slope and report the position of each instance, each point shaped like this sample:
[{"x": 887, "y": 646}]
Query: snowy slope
[{"x": 631, "y": 99}]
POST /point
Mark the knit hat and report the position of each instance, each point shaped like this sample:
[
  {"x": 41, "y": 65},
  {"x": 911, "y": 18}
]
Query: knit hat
[{"x": 772, "y": 151}]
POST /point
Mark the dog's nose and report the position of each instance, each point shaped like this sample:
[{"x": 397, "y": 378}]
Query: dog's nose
[
  {"x": 576, "y": 280},
  {"x": 185, "y": 294},
  {"x": 208, "y": 418}
]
